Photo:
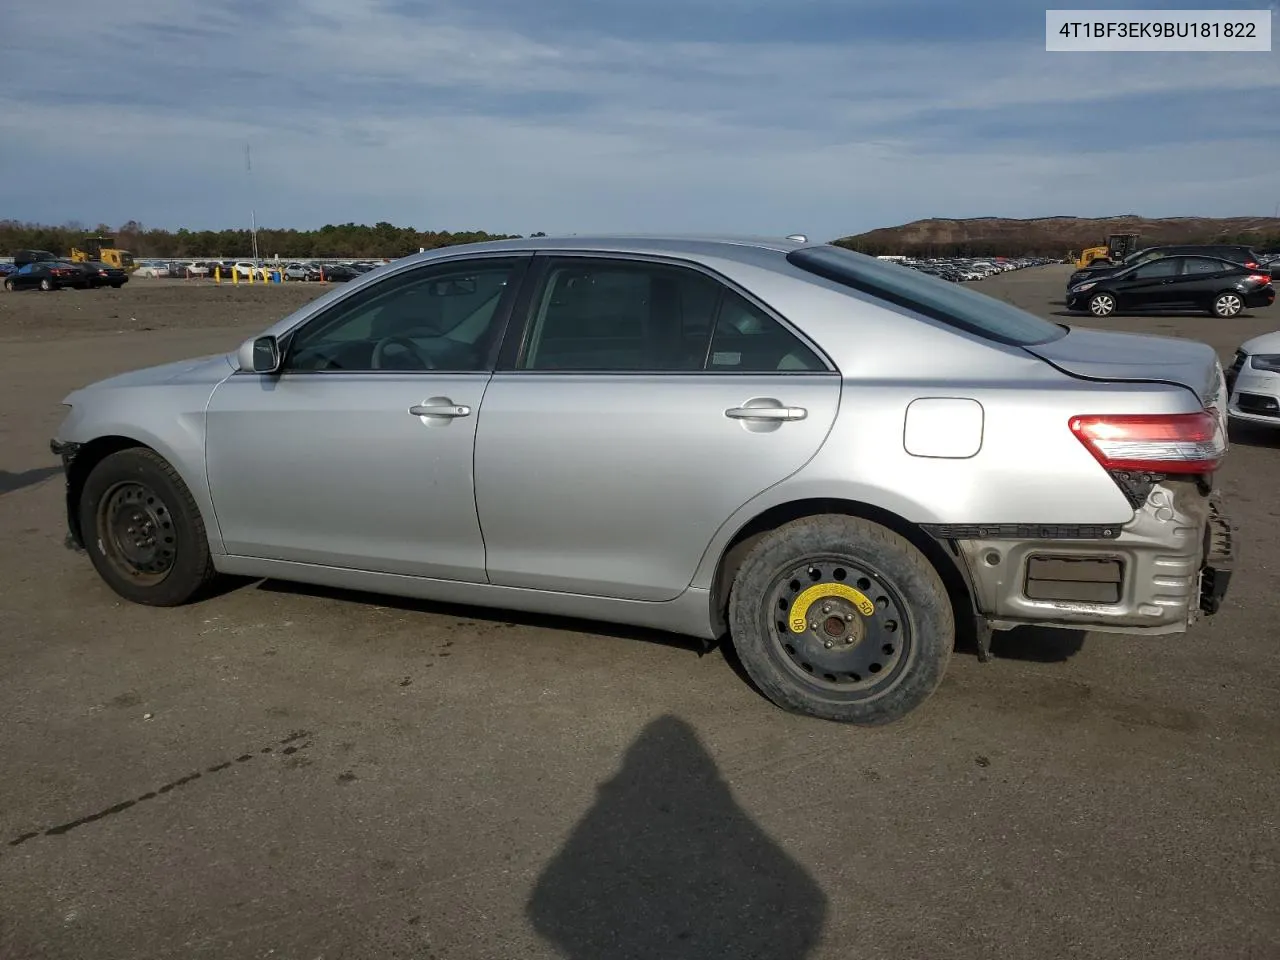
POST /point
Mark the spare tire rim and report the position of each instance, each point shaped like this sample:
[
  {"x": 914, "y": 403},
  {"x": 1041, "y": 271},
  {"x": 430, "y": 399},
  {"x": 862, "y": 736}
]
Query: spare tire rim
[
  {"x": 839, "y": 626},
  {"x": 136, "y": 532}
]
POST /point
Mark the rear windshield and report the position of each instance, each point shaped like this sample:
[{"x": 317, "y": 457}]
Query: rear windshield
[{"x": 941, "y": 300}]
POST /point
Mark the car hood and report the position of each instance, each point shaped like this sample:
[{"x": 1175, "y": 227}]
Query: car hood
[
  {"x": 1267, "y": 343},
  {"x": 1103, "y": 355},
  {"x": 210, "y": 369}
]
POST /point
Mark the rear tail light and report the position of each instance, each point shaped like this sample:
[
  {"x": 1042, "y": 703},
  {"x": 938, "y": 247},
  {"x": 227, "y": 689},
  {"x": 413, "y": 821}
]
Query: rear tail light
[
  {"x": 1259, "y": 278},
  {"x": 1154, "y": 443},
  {"x": 1251, "y": 265}
]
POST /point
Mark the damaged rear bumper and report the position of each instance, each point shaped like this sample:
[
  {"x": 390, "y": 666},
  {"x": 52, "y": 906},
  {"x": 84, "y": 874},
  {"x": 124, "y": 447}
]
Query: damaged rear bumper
[{"x": 1158, "y": 574}]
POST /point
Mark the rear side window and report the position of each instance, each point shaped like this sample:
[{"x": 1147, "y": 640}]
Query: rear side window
[
  {"x": 1203, "y": 265},
  {"x": 617, "y": 316},
  {"x": 747, "y": 340},
  {"x": 949, "y": 303}
]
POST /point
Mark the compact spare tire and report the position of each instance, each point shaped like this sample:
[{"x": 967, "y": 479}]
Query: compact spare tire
[
  {"x": 840, "y": 618},
  {"x": 143, "y": 530}
]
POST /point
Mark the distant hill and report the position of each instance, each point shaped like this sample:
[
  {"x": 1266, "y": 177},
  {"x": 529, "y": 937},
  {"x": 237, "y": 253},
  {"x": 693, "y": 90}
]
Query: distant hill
[{"x": 1054, "y": 236}]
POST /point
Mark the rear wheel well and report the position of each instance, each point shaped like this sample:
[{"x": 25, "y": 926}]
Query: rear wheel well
[
  {"x": 87, "y": 457},
  {"x": 944, "y": 558}
]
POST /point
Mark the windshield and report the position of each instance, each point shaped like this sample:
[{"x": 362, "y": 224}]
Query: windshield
[{"x": 941, "y": 300}]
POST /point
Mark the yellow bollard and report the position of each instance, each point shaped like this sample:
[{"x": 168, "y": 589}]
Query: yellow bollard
[
  {"x": 235, "y": 277},
  {"x": 217, "y": 274}
]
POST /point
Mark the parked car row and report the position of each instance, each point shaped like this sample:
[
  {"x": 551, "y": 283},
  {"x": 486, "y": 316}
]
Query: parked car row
[
  {"x": 1223, "y": 280},
  {"x": 58, "y": 274},
  {"x": 245, "y": 269},
  {"x": 962, "y": 269}
]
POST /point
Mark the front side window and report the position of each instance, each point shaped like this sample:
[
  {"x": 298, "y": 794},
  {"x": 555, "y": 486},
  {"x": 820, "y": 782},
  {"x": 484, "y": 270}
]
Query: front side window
[
  {"x": 1164, "y": 267},
  {"x": 442, "y": 317},
  {"x": 616, "y": 316}
]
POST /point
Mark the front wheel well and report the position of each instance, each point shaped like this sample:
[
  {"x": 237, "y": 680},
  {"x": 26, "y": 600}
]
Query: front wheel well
[
  {"x": 946, "y": 560},
  {"x": 88, "y": 456}
]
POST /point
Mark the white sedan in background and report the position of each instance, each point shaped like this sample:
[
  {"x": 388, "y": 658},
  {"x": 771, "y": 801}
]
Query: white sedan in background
[
  {"x": 152, "y": 268},
  {"x": 1254, "y": 381}
]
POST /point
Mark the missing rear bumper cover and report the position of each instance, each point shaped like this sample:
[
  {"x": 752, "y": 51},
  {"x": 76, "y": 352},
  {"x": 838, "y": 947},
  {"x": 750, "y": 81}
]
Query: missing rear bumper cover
[{"x": 1079, "y": 579}]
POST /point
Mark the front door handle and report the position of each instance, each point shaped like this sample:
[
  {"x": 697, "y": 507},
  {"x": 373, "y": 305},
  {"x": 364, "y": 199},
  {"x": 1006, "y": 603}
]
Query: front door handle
[
  {"x": 773, "y": 414},
  {"x": 449, "y": 410}
]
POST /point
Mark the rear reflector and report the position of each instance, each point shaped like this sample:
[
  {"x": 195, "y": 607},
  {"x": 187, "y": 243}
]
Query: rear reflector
[{"x": 1154, "y": 443}]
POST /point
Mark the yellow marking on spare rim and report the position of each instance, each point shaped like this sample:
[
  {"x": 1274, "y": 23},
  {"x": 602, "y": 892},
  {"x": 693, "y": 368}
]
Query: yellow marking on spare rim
[{"x": 799, "y": 616}]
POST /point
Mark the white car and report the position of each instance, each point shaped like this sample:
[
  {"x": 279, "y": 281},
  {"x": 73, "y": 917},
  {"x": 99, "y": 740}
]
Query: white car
[{"x": 1254, "y": 381}]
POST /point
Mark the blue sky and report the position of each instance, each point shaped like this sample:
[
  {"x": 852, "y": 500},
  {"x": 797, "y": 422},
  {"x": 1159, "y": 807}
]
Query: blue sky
[{"x": 827, "y": 117}]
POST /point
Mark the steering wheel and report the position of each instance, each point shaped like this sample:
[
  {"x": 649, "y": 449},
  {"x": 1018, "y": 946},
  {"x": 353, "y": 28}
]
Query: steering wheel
[{"x": 409, "y": 349}]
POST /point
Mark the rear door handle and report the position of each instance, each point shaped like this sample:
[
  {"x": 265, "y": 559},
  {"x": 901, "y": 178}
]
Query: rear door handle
[
  {"x": 772, "y": 414},
  {"x": 440, "y": 410}
]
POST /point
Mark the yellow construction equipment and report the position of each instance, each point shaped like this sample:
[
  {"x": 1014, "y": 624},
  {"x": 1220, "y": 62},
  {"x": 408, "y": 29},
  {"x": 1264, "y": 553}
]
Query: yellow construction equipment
[
  {"x": 1119, "y": 246},
  {"x": 103, "y": 249}
]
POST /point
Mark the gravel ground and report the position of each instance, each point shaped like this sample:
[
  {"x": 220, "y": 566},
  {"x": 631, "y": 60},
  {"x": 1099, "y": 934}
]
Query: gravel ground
[{"x": 295, "y": 773}]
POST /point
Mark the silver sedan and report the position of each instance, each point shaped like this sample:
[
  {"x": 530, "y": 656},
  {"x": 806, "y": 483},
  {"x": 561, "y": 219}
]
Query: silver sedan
[{"x": 837, "y": 462}]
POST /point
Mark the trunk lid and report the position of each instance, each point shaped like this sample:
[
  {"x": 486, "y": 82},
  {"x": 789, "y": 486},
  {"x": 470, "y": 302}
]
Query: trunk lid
[{"x": 1103, "y": 355}]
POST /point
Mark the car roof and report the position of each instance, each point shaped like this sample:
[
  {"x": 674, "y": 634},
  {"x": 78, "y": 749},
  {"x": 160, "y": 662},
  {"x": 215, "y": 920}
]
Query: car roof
[
  {"x": 1196, "y": 246},
  {"x": 749, "y": 249}
]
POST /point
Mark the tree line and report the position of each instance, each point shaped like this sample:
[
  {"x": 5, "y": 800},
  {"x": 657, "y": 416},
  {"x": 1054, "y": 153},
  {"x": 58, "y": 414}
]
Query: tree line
[
  {"x": 385, "y": 240},
  {"x": 382, "y": 240}
]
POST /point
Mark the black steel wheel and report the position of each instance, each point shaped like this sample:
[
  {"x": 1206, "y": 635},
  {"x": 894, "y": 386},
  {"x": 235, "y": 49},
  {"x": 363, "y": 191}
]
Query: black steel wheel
[
  {"x": 840, "y": 618},
  {"x": 143, "y": 530},
  {"x": 136, "y": 530},
  {"x": 840, "y": 624}
]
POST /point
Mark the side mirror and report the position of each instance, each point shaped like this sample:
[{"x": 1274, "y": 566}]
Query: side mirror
[{"x": 260, "y": 355}]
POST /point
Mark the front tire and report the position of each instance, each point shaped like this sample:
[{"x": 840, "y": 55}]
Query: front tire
[
  {"x": 1227, "y": 305},
  {"x": 1102, "y": 304},
  {"x": 842, "y": 619},
  {"x": 143, "y": 530}
]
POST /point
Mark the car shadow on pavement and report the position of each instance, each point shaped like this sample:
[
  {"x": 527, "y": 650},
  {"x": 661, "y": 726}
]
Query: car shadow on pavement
[
  {"x": 666, "y": 864},
  {"x": 487, "y": 614},
  {"x": 1254, "y": 435},
  {"x": 12, "y": 482},
  {"x": 1036, "y": 644},
  {"x": 1152, "y": 314}
]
